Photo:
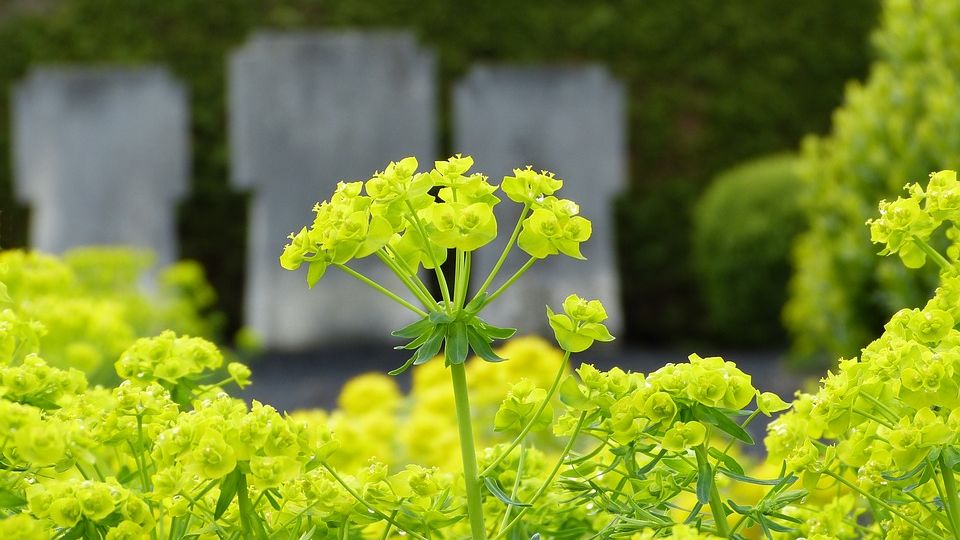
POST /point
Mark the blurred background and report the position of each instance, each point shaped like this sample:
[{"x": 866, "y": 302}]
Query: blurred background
[{"x": 728, "y": 152}]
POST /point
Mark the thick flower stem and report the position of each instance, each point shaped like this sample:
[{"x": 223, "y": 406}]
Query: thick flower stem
[
  {"x": 953, "y": 501},
  {"x": 468, "y": 452}
]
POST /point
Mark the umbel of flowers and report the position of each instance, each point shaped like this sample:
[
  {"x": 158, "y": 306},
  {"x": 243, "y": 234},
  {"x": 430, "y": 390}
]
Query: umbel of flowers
[{"x": 884, "y": 427}]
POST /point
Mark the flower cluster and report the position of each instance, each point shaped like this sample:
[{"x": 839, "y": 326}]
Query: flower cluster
[
  {"x": 905, "y": 225},
  {"x": 886, "y": 423},
  {"x": 394, "y": 215},
  {"x": 86, "y": 307}
]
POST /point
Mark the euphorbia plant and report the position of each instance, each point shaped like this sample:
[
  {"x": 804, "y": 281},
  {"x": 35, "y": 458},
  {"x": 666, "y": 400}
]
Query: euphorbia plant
[
  {"x": 885, "y": 426},
  {"x": 394, "y": 217},
  {"x": 662, "y": 424}
]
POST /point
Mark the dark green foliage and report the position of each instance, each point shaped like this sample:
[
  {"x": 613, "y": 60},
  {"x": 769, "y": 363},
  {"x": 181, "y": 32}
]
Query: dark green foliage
[
  {"x": 711, "y": 82},
  {"x": 743, "y": 229}
]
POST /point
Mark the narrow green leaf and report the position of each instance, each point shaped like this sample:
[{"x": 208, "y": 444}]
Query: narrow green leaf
[
  {"x": 420, "y": 340},
  {"x": 722, "y": 421},
  {"x": 90, "y": 531},
  {"x": 651, "y": 464},
  {"x": 788, "y": 498},
  {"x": 250, "y": 521},
  {"x": 272, "y": 499},
  {"x": 414, "y": 329},
  {"x": 749, "y": 479},
  {"x": 457, "y": 346},
  {"x": 726, "y": 460},
  {"x": 404, "y": 367},
  {"x": 785, "y": 517},
  {"x": 704, "y": 477},
  {"x": 431, "y": 347},
  {"x": 773, "y": 525},
  {"x": 476, "y": 304},
  {"x": 228, "y": 490},
  {"x": 492, "y": 331},
  {"x": 9, "y": 499},
  {"x": 481, "y": 345},
  {"x": 740, "y": 508},
  {"x": 75, "y": 532},
  {"x": 951, "y": 456},
  {"x": 907, "y": 475},
  {"x": 497, "y": 492}
]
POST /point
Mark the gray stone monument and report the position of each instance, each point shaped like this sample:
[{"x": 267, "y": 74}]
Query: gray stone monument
[
  {"x": 306, "y": 111},
  {"x": 102, "y": 155},
  {"x": 568, "y": 120}
]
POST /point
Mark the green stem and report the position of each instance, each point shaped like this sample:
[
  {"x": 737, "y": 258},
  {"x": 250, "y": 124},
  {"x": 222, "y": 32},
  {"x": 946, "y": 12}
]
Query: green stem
[
  {"x": 952, "y": 501},
  {"x": 506, "y": 251},
  {"x": 141, "y": 462},
  {"x": 529, "y": 425},
  {"x": 353, "y": 493},
  {"x": 523, "y": 269},
  {"x": 386, "y": 530},
  {"x": 553, "y": 474},
  {"x": 388, "y": 293},
  {"x": 444, "y": 290},
  {"x": 880, "y": 405},
  {"x": 390, "y": 258},
  {"x": 461, "y": 279},
  {"x": 468, "y": 452},
  {"x": 744, "y": 425},
  {"x": 716, "y": 503},
  {"x": 933, "y": 254},
  {"x": 889, "y": 507},
  {"x": 516, "y": 485},
  {"x": 882, "y": 421}
]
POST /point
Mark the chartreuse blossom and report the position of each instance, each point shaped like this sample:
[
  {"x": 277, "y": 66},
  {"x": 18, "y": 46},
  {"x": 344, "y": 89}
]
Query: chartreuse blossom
[
  {"x": 883, "y": 427},
  {"x": 85, "y": 308}
]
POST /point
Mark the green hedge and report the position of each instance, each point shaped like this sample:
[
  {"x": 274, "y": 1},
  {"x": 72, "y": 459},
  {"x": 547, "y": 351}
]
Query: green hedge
[
  {"x": 711, "y": 82},
  {"x": 743, "y": 228},
  {"x": 903, "y": 122}
]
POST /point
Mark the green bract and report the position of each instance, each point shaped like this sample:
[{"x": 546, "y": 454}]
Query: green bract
[{"x": 580, "y": 325}]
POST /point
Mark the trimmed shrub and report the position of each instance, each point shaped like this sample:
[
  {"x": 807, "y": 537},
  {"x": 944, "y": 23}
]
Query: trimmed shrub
[{"x": 743, "y": 228}]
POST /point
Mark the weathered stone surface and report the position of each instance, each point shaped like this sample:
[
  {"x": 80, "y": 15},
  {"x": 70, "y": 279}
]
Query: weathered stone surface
[
  {"x": 101, "y": 155},
  {"x": 308, "y": 110},
  {"x": 568, "y": 120}
]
